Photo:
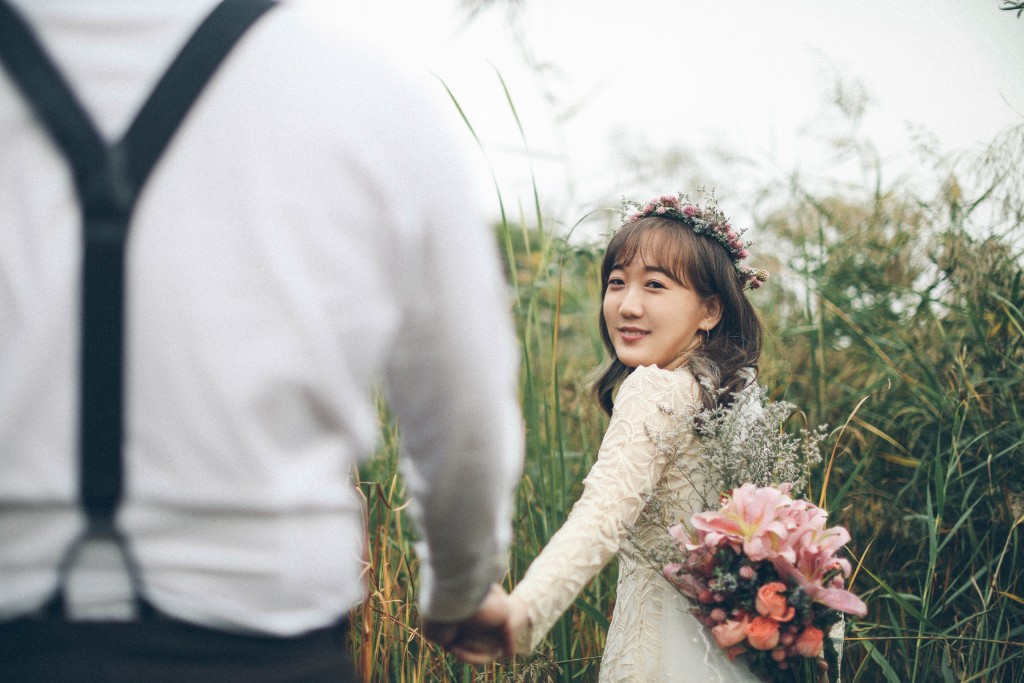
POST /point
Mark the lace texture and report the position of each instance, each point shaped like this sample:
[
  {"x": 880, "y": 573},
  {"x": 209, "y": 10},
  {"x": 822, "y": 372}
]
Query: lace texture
[{"x": 653, "y": 637}]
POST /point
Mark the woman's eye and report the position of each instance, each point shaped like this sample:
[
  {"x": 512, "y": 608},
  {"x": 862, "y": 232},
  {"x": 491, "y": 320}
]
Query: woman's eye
[
  {"x": 655, "y": 284},
  {"x": 615, "y": 281}
]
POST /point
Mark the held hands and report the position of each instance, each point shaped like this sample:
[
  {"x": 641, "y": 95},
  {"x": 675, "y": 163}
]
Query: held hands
[
  {"x": 491, "y": 632},
  {"x": 481, "y": 637},
  {"x": 481, "y": 650}
]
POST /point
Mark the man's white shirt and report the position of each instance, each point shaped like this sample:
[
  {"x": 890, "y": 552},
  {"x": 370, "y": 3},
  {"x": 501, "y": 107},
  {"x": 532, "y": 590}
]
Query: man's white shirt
[{"x": 311, "y": 229}]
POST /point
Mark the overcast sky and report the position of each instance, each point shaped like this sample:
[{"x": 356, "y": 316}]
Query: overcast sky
[{"x": 750, "y": 75}]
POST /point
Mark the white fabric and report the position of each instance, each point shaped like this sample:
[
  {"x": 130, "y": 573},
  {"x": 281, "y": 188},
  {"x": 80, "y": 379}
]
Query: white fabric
[
  {"x": 652, "y": 638},
  {"x": 312, "y": 229}
]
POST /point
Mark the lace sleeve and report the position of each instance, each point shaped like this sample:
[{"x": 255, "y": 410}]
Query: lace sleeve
[{"x": 627, "y": 468}]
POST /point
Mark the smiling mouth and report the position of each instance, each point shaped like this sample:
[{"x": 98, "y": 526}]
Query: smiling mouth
[{"x": 632, "y": 333}]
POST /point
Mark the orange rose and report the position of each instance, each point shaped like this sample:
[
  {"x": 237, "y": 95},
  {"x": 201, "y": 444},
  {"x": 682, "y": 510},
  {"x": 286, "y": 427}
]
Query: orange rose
[
  {"x": 763, "y": 633},
  {"x": 771, "y": 603},
  {"x": 731, "y": 632},
  {"x": 809, "y": 642}
]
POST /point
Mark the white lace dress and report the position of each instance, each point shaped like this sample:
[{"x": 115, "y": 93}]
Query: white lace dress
[{"x": 652, "y": 638}]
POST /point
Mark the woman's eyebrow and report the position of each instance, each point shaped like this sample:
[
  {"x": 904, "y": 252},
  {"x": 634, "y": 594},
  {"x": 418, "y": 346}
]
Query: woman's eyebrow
[
  {"x": 659, "y": 269},
  {"x": 648, "y": 269}
]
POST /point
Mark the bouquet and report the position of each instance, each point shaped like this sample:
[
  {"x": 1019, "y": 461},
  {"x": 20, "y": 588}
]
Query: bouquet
[
  {"x": 759, "y": 564},
  {"x": 763, "y": 574}
]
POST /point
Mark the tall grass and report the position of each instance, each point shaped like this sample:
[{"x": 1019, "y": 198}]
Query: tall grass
[
  {"x": 912, "y": 310},
  {"x": 901, "y": 318}
]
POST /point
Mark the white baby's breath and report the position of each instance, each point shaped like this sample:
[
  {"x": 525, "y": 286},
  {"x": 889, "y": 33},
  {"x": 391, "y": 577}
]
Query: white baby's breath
[{"x": 744, "y": 442}]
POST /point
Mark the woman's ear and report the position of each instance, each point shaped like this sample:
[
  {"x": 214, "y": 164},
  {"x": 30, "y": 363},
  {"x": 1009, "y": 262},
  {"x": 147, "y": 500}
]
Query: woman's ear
[{"x": 712, "y": 313}]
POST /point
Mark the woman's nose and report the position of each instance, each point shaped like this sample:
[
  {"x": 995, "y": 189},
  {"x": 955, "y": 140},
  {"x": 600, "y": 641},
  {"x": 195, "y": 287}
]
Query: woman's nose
[{"x": 631, "y": 305}]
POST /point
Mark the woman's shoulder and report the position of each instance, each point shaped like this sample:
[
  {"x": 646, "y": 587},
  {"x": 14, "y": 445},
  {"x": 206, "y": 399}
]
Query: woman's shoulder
[{"x": 651, "y": 383}]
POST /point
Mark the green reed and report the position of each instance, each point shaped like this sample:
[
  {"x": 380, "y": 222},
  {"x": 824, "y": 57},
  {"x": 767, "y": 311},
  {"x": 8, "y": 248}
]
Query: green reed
[{"x": 912, "y": 323}]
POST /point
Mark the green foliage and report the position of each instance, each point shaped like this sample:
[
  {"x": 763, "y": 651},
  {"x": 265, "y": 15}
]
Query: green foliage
[
  {"x": 900, "y": 319},
  {"x": 912, "y": 323}
]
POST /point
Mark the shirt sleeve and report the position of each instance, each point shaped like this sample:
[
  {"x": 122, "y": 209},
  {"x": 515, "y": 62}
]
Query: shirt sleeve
[
  {"x": 453, "y": 380},
  {"x": 628, "y": 467}
]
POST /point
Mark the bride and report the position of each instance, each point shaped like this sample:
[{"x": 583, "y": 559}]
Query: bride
[{"x": 674, "y": 312}]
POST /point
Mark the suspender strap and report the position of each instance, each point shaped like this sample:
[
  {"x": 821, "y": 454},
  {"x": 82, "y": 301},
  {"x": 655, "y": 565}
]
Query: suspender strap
[
  {"x": 50, "y": 97},
  {"x": 181, "y": 85},
  {"x": 108, "y": 181}
]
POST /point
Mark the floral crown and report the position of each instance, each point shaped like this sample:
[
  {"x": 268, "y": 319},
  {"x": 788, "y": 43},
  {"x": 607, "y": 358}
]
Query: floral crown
[{"x": 707, "y": 220}]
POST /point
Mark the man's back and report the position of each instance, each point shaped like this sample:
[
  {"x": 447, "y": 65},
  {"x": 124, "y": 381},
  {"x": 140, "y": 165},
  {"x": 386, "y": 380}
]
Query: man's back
[{"x": 296, "y": 240}]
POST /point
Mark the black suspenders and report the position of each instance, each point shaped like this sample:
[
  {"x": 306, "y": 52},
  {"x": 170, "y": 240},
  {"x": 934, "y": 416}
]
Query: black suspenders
[{"x": 108, "y": 181}]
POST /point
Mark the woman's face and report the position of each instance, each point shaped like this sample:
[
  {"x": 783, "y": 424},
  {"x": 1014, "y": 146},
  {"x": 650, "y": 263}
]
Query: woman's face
[{"x": 652, "y": 318}]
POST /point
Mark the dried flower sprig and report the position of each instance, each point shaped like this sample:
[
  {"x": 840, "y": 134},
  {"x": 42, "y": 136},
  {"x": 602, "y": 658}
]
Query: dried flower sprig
[{"x": 739, "y": 443}]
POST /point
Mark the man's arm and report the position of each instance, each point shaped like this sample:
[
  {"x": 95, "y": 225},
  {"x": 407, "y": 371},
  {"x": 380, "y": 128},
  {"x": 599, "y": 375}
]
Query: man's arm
[{"x": 452, "y": 382}]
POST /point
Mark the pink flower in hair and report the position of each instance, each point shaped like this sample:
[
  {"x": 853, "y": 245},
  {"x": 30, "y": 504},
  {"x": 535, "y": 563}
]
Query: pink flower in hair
[{"x": 708, "y": 221}]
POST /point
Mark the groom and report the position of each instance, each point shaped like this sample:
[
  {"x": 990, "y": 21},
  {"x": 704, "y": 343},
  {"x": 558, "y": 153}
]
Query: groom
[{"x": 206, "y": 261}]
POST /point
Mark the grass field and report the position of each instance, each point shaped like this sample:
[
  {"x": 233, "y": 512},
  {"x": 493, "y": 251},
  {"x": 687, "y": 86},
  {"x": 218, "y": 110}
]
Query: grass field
[{"x": 897, "y": 320}]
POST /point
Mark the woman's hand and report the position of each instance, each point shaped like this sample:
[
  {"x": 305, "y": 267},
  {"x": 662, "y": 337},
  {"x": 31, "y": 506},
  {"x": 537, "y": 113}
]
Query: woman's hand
[{"x": 520, "y": 624}]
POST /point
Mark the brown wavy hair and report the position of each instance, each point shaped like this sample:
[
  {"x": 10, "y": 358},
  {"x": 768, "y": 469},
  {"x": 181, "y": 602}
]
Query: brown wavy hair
[{"x": 728, "y": 357}]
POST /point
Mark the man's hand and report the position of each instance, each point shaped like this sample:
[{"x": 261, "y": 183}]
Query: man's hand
[{"x": 482, "y": 637}]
